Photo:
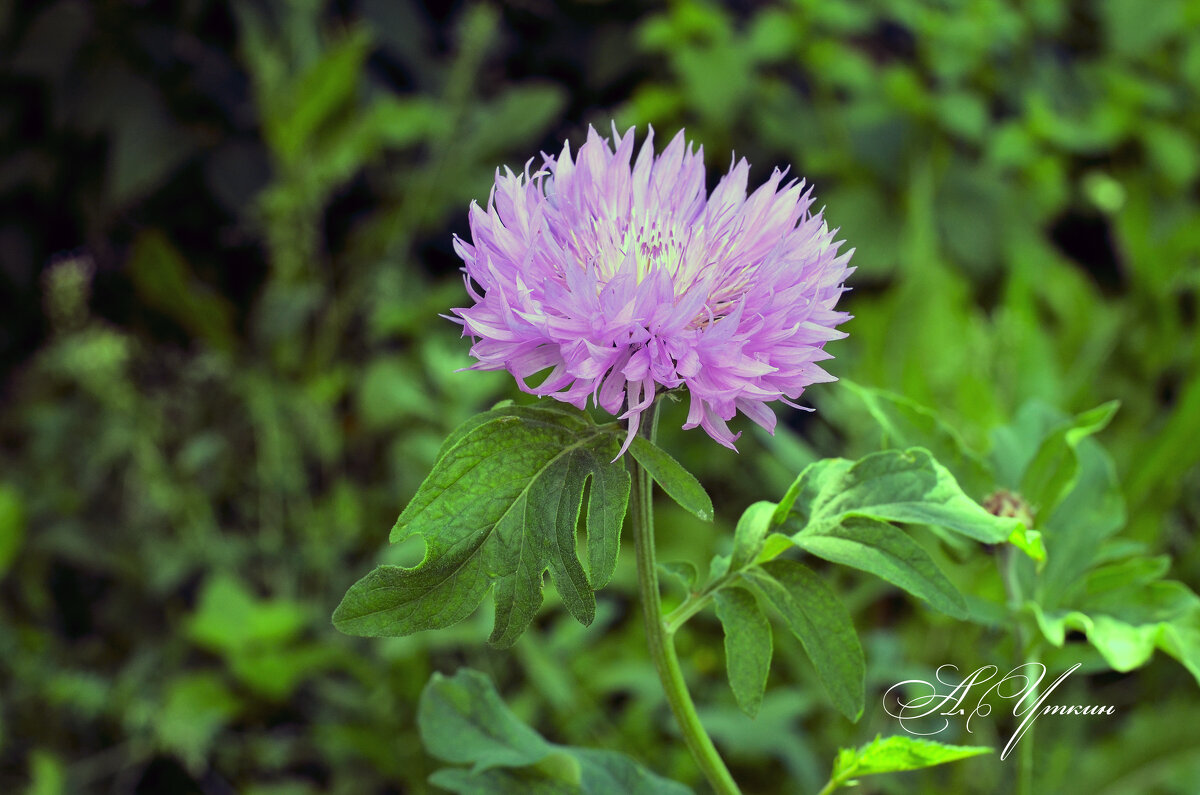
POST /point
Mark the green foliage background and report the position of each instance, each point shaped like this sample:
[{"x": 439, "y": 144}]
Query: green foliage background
[{"x": 224, "y": 246}]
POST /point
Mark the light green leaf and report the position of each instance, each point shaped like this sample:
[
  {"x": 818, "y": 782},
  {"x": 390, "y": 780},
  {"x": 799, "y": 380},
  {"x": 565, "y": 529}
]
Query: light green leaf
[
  {"x": 47, "y": 774},
  {"x": 230, "y": 619},
  {"x": 196, "y": 707},
  {"x": 906, "y": 423},
  {"x": 679, "y": 484},
  {"x": 747, "y": 646},
  {"x": 894, "y": 754},
  {"x": 500, "y": 508},
  {"x": 751, "y": 531},
  {"x": 906, "y": 486},
  {"x": 820, "y": 621},
  {"x": 463, "y": 721},
  {"x": 1124, "y": 645},
  {"x": 1054, "y": 469},
  {"x": 887, "y": 552},
  {"x": 1030, "y": 542}
]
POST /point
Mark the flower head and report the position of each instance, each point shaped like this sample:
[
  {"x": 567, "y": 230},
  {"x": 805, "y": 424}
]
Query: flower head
[{"x": 622, "y": 278}]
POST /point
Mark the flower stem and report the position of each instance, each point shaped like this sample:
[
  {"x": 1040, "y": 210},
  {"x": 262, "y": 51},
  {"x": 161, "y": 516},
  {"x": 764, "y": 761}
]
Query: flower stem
[
  {"x": 660, "y": 641},
  {"x": 1016, "y": 599}
]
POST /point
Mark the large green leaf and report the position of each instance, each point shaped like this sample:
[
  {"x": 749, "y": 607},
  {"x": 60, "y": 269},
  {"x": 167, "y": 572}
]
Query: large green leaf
[
  {"x": 463, "y": 721},
  {"x": 821, "y": 623},
  {"x": 747, "y": 646},
  {"x": 500, "y": 508},
  {"x": 905, "y": 486}
]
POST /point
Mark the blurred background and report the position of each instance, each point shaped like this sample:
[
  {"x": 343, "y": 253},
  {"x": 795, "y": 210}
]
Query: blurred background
[{"x": 224, "y": 246}]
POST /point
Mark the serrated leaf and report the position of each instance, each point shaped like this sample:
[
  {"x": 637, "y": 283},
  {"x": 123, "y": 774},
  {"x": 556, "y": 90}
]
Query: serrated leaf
[
  {"x": 499, "y": 509},
  {"x": 895, "y": 754},
  {"x": 821, "y": 623},
  {"x": 887, "y": 552},
  {"x": 462, "y": 720},
  {"x": 747, "y": 646},
  {"x": 906, "y": 486},
  {"x": 679, "y": 484}
]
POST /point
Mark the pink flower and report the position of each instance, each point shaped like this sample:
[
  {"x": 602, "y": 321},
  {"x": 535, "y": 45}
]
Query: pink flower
[{"x": 621, "y": 281}]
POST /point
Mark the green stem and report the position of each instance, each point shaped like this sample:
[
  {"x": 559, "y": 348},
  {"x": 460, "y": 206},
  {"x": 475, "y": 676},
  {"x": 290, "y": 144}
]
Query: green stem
[
  {"x": 659, "y": 639},
  {"x": 830, "y": 786},
  {"x": 690, "y": 607},
  {"x": 1016, "y": 600}
]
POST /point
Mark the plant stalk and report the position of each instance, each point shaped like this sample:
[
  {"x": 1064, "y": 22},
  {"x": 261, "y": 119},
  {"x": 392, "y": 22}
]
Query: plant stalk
[
  {"x": 1016, "y": 600},
  {"x": 659, "y": 639}
]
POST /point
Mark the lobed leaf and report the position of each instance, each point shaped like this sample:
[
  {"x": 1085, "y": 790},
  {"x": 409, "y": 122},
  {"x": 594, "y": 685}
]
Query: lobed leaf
[{"x": 499, "y": 509}]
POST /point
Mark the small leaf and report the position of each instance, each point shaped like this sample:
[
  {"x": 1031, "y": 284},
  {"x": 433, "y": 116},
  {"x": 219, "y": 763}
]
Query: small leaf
[
  {"x": 463, "y": 721},
  {"x": 894, "y": 754},
  {"x": 682, "y": 571},
  {"x": 679, "y": 484},
  {"x": 1030, "y": 542},
  {"x": 747, "y": 646},
  {"x": 500, "y": 508},
  {"x": 883, "y": 550},
  {"x": 748, "y": 538},
  {"x": 820, "y": 621}
]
